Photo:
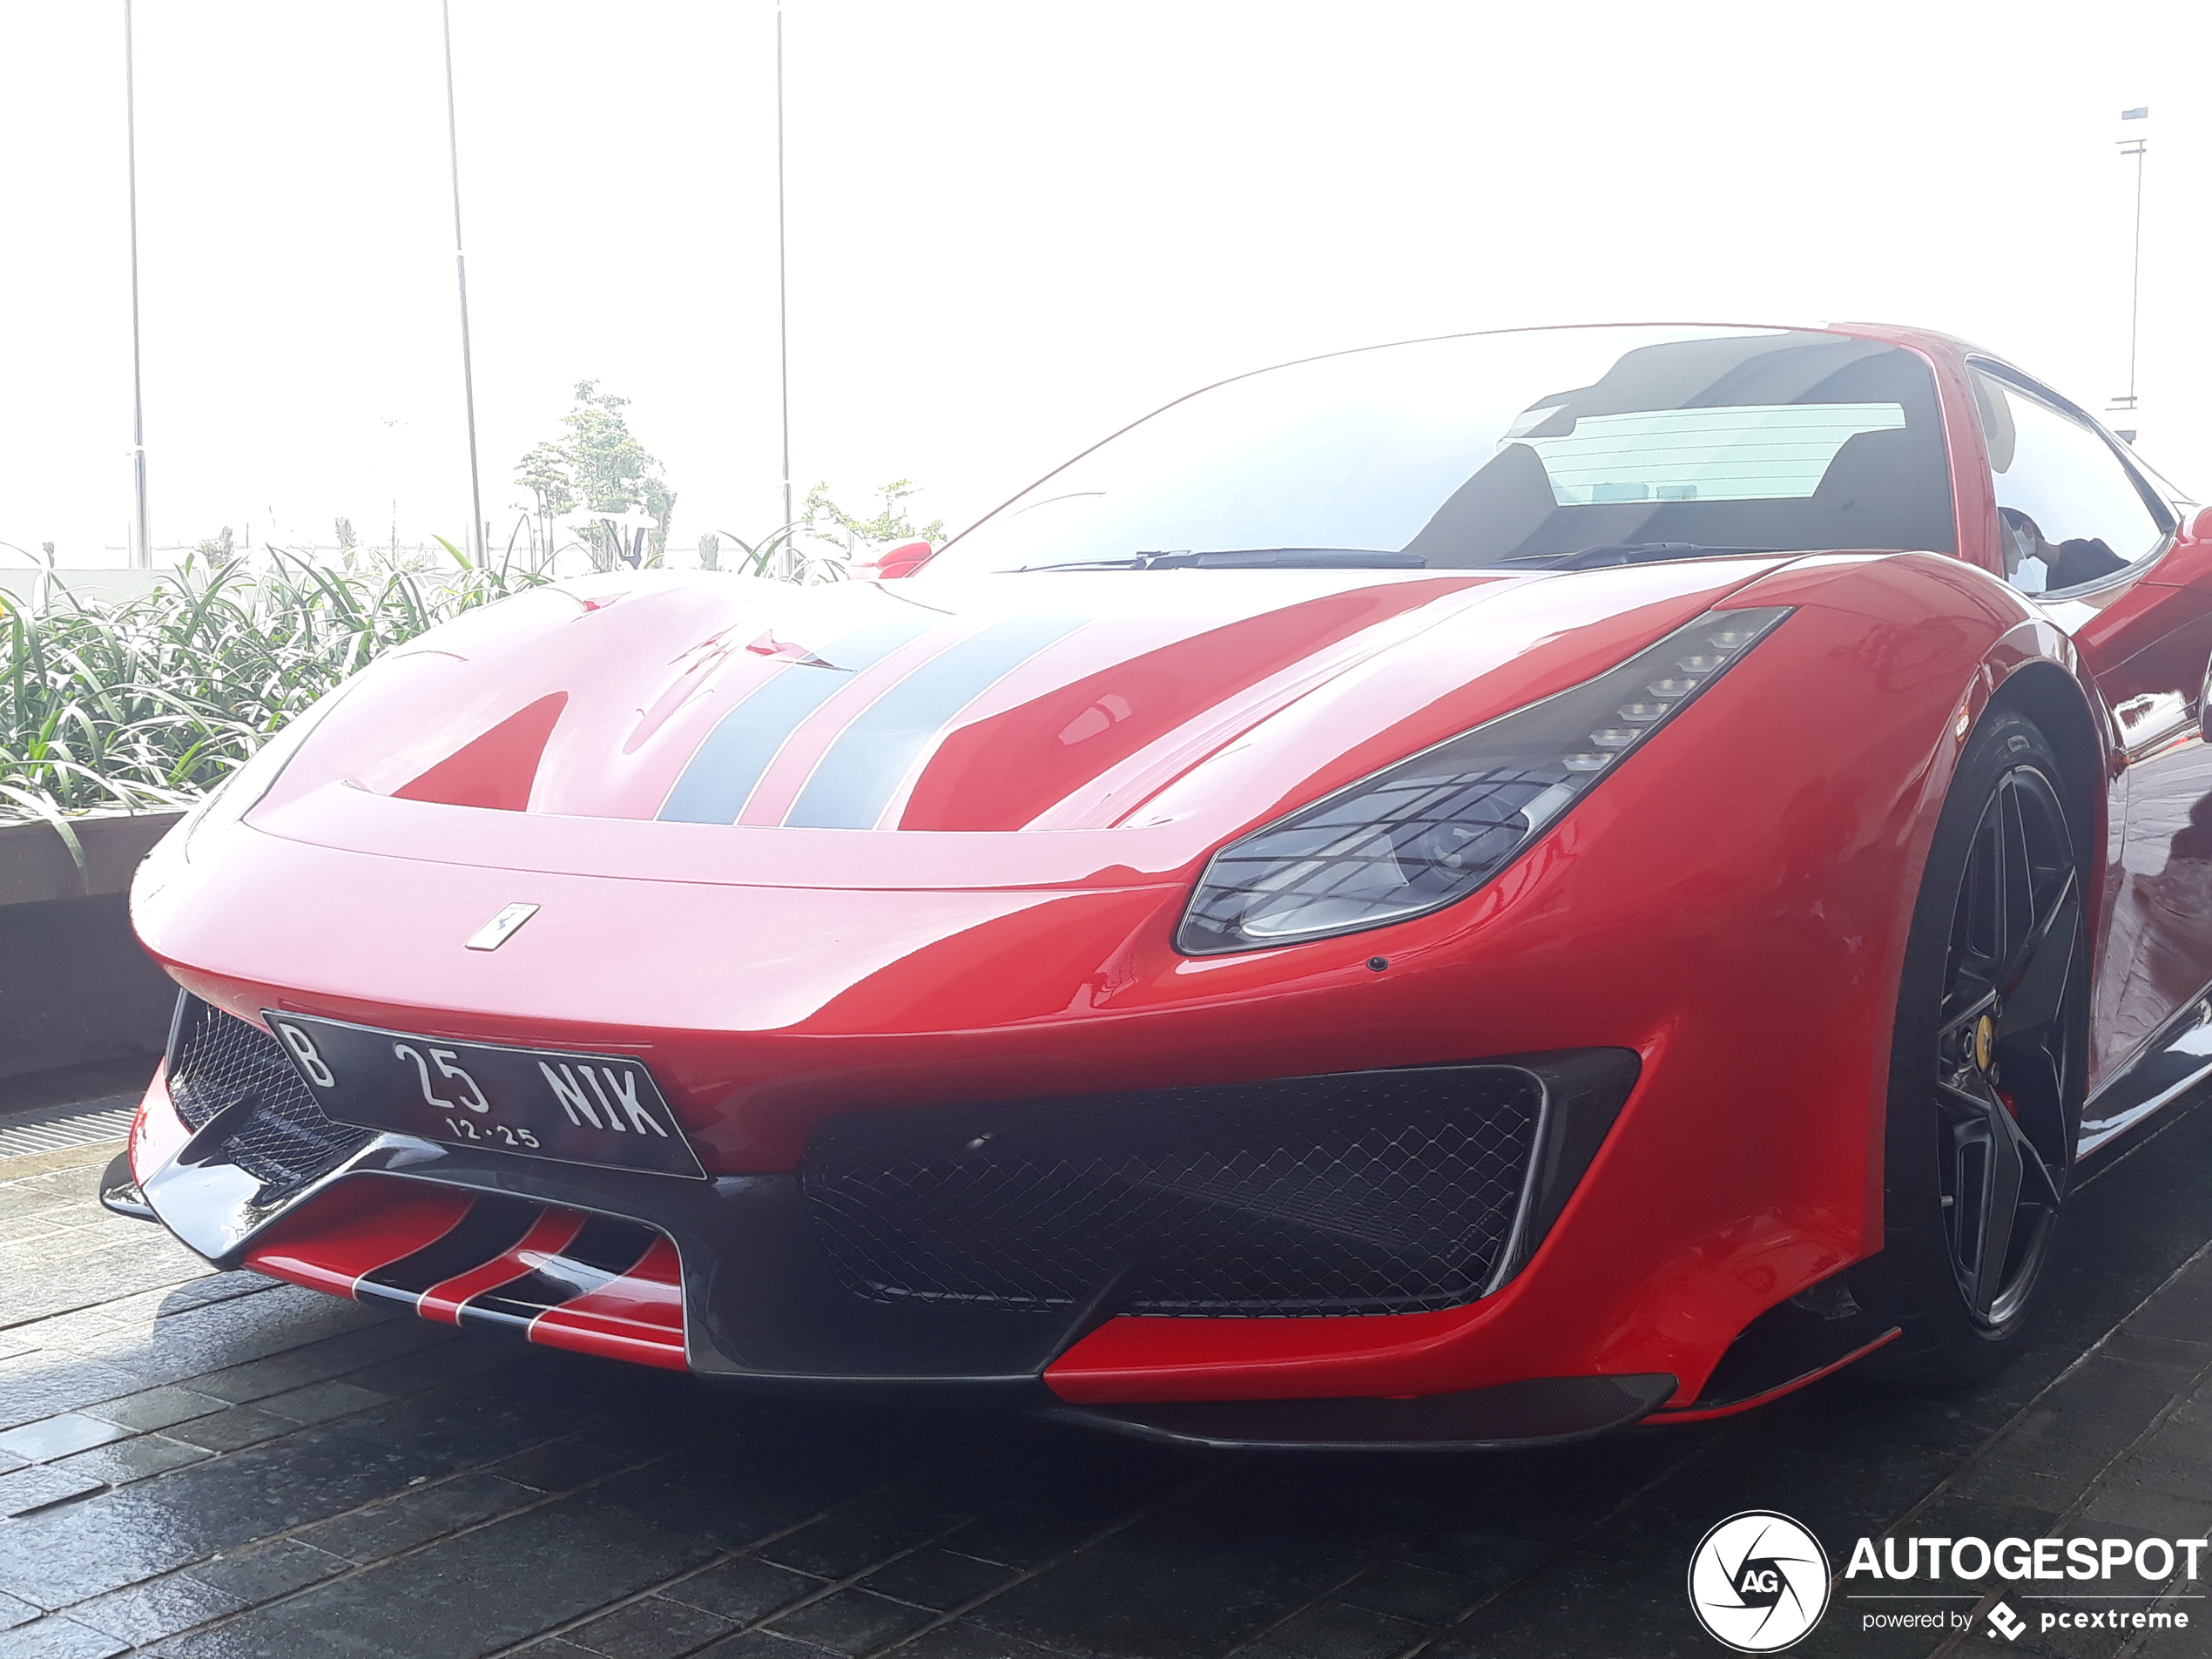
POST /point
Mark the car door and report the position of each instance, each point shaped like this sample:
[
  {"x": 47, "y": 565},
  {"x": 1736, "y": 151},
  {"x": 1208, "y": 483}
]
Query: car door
[{"x": 2084, "y": 533}]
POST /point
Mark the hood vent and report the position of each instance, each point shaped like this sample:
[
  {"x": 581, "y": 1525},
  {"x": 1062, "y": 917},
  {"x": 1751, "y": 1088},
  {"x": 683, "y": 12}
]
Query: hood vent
[{"x": 496, "y": 770}]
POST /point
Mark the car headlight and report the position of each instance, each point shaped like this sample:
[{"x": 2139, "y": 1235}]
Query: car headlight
[{"x": 1427, "y": 831}]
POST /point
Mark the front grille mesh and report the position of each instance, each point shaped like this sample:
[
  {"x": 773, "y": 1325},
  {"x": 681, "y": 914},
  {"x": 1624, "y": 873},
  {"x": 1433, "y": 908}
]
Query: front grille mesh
[
  {"x": 1372, "y": 1192},
  {"x": 286, "y": 1141}
]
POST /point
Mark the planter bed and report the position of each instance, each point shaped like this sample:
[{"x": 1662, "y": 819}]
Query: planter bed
[{"x": 75, "y": 988}]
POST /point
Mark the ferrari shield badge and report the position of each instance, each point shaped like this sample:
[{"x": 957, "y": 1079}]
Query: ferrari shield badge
[{"x": 502, "y": 928}]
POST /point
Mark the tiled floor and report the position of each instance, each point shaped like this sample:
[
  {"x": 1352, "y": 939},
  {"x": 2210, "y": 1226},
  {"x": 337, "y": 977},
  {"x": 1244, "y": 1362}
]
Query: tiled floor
[{"x": 213, "y": 1467}]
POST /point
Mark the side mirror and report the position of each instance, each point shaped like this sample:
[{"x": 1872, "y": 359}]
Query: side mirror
[
  {"x": 2200, "y": 527},
  {"x": 902, "y": 560}
]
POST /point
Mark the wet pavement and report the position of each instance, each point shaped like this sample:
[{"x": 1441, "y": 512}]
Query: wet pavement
[{"x": 214, "y": 1466}]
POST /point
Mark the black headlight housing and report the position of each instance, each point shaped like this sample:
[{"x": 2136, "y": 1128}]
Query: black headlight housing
[{"x": 1429, "y": 830}]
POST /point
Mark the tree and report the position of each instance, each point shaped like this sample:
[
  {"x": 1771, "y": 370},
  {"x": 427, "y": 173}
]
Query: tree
[
  {"x": 600, "y": 467},
  {"x": 544, "y": 473},
  {"x": 825, "y": 520}
]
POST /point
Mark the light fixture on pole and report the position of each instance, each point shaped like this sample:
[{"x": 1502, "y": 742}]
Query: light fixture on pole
[
  {"x": 141, "y": 540},
  {"x": 461, "y": 273},
  {"x": 2137, "y": 148}
]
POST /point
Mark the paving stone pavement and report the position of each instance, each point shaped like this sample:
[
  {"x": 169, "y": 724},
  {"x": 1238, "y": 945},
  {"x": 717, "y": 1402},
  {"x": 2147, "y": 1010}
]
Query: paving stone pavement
[{"x": 206, "y": 1466}]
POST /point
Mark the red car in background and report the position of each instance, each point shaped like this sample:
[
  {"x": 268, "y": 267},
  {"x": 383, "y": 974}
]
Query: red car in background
[{"x": 1474, "y": 891}]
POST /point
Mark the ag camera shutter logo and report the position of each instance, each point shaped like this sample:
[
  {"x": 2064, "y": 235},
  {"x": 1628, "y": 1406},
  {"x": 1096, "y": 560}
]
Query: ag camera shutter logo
[{"x": 1758, "y": 1582}]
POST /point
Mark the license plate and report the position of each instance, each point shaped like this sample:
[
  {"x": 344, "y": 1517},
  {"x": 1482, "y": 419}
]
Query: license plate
[{"x": 596, "y": 1108}]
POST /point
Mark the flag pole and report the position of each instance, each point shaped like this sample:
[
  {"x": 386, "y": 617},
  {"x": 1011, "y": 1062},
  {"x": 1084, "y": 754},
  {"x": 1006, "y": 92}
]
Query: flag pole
[
  {"x": 783, "y": 302},
  {"x": 2137, "y": 148},
  {"x": 141, "y": 539},
  {"x": 461, "y": 273}
]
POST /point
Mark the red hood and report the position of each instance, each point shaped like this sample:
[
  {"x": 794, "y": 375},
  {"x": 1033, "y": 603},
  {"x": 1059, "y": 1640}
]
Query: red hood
[{"x": 928, "y": 733}]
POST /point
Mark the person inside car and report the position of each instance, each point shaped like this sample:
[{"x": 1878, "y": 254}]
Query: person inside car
[{"x": 2035, "y": 565}]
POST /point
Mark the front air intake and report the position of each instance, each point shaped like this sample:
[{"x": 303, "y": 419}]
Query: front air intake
[
  {"x": 284, "y": 1142},
  {"x": 1368, "y": 1193}
]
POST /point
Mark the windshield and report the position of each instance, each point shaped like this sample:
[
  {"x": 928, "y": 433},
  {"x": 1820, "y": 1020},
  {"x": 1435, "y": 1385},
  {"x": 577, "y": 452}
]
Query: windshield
[{"x": 1540, "y": 447}]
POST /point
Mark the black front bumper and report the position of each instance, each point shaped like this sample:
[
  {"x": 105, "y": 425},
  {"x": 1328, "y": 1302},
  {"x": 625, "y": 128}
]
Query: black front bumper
[{"x": 768, "y": 1310}]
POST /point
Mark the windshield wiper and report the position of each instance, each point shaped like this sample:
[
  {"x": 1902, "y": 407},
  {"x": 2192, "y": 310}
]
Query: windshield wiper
[
  {"x": 1252, "y": 559},
  {"x": 1591, "y": 558}
]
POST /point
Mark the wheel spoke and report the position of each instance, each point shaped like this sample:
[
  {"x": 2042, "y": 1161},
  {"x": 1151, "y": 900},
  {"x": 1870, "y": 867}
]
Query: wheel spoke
[
  {"x": 2015, "y": 878},
  {"x": 1967, "y": 1101},
  {"x": 2032, "y": 1078},
  {"x": 1981, "y": 905},
  {"x": 1986, "y": 1185},
  {"x": 2034, "y": 981},
  {"x": 2038, "y": 1183}
]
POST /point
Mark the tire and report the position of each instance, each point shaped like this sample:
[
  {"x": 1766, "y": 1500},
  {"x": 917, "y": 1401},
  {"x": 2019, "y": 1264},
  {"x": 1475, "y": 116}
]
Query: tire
[{"x": 1987, "y": 1066}]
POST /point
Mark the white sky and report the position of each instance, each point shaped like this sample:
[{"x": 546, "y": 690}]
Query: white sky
[{"x": 1013, "y": 226}]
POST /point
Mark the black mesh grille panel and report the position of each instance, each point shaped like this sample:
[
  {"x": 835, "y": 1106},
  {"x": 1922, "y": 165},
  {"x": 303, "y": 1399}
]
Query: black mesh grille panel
[
  {"x": 286, "y": 1141},
  {"x": 1373, "y": 1192}
]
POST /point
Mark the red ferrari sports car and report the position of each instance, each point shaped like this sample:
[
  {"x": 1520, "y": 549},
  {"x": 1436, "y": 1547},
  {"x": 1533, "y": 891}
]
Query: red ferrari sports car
[{"x": 1474, "y": 891}]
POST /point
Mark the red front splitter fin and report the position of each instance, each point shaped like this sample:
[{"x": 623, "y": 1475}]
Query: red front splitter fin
[
  {"x": 1705, "y": 1411},
  {"x": 559, "y": 1278}
]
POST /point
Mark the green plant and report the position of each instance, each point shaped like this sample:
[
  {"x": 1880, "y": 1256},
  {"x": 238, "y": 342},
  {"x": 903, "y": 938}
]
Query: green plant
[
  {"x": 825, "y": 541},
  {"x": 148, "y": 703},
  {"x": 600, "y": 467},
  {"x": 760, "y": 557},
  {"x": 825, "y": 520}
]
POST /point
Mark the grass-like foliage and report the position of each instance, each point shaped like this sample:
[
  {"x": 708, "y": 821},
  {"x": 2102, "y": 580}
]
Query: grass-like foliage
[{"x": 148, "y": 703}]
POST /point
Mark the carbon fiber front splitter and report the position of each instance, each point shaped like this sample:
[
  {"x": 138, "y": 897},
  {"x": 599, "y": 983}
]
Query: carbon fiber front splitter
[{"x": 1540, "y": 1411}]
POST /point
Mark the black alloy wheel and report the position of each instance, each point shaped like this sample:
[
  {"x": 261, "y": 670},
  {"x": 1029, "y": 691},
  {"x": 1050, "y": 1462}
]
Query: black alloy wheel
[
  {"x": 1988, "y": 1065},
  {"x": 2005, "y": 1045}
]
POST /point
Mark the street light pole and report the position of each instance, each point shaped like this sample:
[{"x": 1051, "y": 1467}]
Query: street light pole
[
  {"x": 461, "y": 273},
  {"x": 141, "y": 541},
  {"x": 2137, "y": 148},
  {"x": 783, "y": 303}
]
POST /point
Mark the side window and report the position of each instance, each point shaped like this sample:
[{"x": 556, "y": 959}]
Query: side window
[{"x": 2068, "y": 509}]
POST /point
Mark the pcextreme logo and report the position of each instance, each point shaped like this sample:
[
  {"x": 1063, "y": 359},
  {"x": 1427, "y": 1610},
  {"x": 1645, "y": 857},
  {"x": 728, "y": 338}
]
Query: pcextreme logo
[{"x": 1758, "y": 1582}]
